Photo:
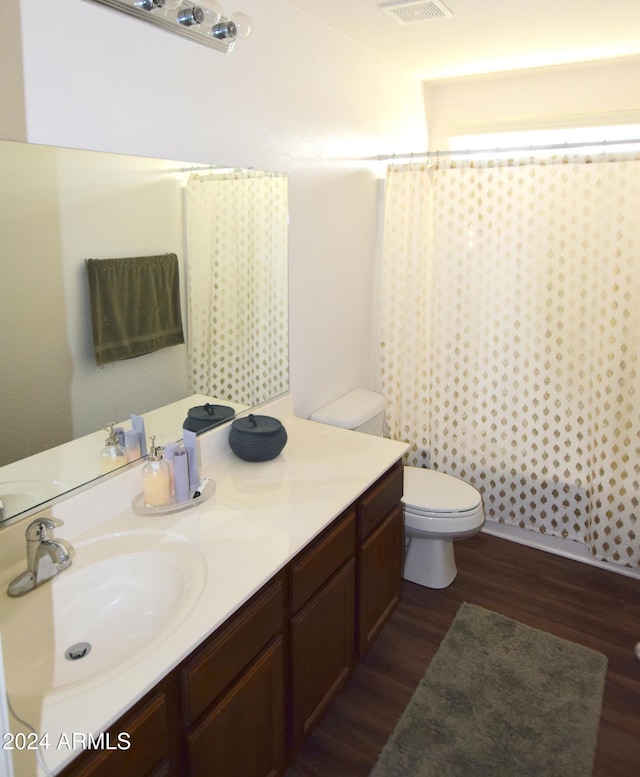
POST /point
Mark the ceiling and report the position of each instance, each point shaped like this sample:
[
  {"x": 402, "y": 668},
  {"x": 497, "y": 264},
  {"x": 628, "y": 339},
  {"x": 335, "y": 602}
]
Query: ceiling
[{"x": 485, "y": 36}]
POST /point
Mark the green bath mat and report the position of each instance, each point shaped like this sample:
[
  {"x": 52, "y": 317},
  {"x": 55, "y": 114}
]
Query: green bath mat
[{"x": 500, "y": 699}]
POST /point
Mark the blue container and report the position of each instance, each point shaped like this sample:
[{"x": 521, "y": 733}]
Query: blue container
[{"x": 257, "y": 437}]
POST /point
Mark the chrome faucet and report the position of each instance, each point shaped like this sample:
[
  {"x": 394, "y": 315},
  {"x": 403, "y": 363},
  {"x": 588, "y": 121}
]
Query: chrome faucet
[{"x": 45, "y": 558}]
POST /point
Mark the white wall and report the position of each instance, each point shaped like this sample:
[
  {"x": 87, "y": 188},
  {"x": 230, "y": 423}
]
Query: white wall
[
  {"x": 295, "y": 97},
  {"x": 597, "y": 94}
]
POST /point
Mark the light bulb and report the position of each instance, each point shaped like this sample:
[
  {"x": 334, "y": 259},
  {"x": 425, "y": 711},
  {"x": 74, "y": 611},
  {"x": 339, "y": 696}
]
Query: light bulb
[
  {"x": 243, "y": 23},
  {"x": 213, "y": 12},
  {"x": 170, "y": 8}
]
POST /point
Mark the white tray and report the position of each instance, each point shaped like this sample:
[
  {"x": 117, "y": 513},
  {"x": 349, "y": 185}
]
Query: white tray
[{"x": 206, "y": 489}]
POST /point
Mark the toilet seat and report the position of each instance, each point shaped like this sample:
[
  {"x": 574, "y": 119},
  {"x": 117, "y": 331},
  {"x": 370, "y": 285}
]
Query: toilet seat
[
  {"x": 440, "y": 505},
  {"x": 435, "y": 493}
]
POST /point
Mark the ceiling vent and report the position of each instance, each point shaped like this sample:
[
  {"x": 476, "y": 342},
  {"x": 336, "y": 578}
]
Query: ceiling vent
[{"x": 409, "y": 12}]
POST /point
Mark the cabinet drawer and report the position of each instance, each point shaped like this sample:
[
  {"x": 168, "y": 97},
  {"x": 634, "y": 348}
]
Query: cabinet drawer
[
  {"x": 379, "y": 500},
  {"x": 318, "y": 564},
  {"x": 228, "y": 653},
  {"x": 148, "y": 736}
]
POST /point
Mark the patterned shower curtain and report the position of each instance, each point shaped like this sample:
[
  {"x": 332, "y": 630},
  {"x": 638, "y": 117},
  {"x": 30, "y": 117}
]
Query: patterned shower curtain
[
  {"x": 237, "y": 285},
  {"x": 510, "y": 338}
]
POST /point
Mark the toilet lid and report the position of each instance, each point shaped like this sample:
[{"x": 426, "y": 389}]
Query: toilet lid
[{"x": 426, "y": 490}]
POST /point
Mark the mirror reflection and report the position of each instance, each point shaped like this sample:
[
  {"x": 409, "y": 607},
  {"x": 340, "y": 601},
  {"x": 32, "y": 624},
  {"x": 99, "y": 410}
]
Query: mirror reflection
[{"x": 59, "y": 207}]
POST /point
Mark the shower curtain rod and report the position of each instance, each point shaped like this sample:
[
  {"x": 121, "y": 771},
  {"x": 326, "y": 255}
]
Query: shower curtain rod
[
  {"x": 208, "y": 168},
  {"x": 511, "y": 149}
]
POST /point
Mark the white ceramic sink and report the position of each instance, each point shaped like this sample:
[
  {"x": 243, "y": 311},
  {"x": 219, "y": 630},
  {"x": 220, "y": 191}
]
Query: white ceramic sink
[
  {"x": 21, "y": 495},
  {"x": 122, "y": 595}
]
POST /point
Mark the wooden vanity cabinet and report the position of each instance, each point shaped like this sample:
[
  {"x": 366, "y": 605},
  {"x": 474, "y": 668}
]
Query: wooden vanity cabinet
[{"x": 243, "y": 702}]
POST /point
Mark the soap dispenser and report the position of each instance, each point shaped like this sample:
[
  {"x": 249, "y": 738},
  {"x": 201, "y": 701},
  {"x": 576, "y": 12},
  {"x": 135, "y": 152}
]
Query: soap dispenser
[
  {"x": 156, "y": 478},
  {"x": 112, "y": 455}
]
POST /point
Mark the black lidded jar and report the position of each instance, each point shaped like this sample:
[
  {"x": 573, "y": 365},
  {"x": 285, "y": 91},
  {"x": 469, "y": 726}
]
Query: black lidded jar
[{"x": 257, "y": 437}]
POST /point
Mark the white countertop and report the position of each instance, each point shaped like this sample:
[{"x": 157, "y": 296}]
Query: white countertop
[{"x": 260, "y": 516}]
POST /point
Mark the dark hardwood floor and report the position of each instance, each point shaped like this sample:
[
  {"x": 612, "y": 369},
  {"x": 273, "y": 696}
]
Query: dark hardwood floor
[{"x": 587, "y": 605}]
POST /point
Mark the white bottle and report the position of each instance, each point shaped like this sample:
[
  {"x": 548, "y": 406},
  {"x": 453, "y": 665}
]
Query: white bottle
[
  {"x": 112, "y": 455},
  {"x": 156, "y": 479},
  {"x": 132, "y": 450}
]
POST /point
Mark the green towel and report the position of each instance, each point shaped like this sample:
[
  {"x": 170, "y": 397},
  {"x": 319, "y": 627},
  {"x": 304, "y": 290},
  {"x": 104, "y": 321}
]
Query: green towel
[{"x": 135, "y": 306}]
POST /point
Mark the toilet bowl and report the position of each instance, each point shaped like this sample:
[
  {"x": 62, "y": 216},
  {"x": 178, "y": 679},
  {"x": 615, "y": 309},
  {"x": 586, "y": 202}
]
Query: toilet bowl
[{"x": 438, "y": 508}]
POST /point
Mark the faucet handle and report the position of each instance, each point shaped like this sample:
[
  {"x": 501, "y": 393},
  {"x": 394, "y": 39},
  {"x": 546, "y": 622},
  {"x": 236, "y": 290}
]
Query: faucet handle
[{"x": 37, "y": 530}]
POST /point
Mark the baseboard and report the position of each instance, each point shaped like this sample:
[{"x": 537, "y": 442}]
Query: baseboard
[{"x": 561, "y": 547}]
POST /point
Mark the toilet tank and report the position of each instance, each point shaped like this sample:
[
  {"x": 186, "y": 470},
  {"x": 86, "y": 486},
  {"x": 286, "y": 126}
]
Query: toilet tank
[{"x": 360, "y": 410}]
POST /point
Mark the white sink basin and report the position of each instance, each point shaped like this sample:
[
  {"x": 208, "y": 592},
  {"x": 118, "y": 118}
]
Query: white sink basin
[
  {"x": 21, "y": 495},
  {"x": 121, "y": 596}
]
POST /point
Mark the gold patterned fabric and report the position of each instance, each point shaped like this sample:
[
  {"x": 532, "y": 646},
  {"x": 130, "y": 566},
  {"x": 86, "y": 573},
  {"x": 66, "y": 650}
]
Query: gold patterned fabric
[
  {"x": 510, "y": 338},
  {"x": 237, "y": 285}
]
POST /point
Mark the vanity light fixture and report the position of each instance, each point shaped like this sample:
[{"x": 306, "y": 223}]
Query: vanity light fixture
[{"x": 203, "y": 21}]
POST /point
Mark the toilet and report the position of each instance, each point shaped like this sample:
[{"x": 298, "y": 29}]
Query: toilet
[{"x": 438, "y": 508}]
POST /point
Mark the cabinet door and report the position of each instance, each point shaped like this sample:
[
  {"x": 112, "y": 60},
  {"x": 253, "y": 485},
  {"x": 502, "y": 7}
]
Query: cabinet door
[
  {"x": 322, "y": 646},
  {"x": 380, "y": 577},
  {"x": 243, "y": 735},
  {"x": 145, "y": 751}
]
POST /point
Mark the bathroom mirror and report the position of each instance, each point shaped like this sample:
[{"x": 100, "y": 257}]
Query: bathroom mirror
[{"x": 61, "y": 206}]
